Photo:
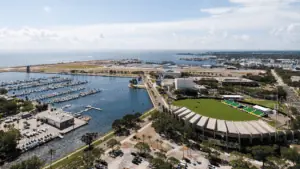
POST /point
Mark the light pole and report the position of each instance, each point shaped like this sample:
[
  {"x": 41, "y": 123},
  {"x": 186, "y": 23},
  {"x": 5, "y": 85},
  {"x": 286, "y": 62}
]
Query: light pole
[{"x": 170, "y": 104}]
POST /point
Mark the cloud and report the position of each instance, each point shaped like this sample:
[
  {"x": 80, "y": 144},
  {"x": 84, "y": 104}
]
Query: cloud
[
  {"x": 249, "y": 24},
  {"x": 263, "y": 2},
  {"x": 217, "y": 11},
  {"x": 287, "y": 34},
  {"x": 47, "y": 9},
  {"x": 241, "y": 37}
]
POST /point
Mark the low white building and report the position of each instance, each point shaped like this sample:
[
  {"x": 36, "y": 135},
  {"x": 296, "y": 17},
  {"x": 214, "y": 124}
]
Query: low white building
[
  {"x": 184, "y": 83},
  {"x": 167, "y": 82},
  {"x": 263, "y": 109},
  {"x": 187, "y": 83},
  {"x": 57, "y": 118},
  {"x": 233, "y": 97},
  {"x": 295, "y": 78}
]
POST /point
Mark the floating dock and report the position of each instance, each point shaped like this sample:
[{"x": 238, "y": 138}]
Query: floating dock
[{"x": 91, "y": 107}]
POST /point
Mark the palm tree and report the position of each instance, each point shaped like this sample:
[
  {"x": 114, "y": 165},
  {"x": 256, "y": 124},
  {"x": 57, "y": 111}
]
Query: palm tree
[
  {"x": 143, "y": 138},
  {"x": 149, "y": 137},
  {"x": 97, "y": 153},
  {"x": 51, "y": 152},
  {"x": 157, "y": 141},
  {"x": 161, "y": 142}
]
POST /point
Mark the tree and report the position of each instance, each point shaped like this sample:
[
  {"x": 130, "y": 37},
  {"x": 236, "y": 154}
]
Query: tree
[
  {"x": 173, "y": 161},
  {"x": 149, "y": 137},
  {"x": 160, "y": 155},
  {"x": 295, "y": 123},
  {"x": 3, "y": 91},
  {"x": 88, "y": 138},
  {"x": 290, "y": 154},
  {"x": 97, "y": 153},
  {"x": 8, "y": 144},
  {"x": 31, "y": 163},
  {"x": 262, "y": 152},
  {"x": 157, "y": 141},
  {"x": 241, "y": 164},
  {"x": 157, "y": 163},
  {"x": 281, "y": 92},
  {"x": 143, "y": 137},
  {"x": 143, "y": 148},
  {"x": 117, "y": 124},
  {"x": 112, "y": 143}
]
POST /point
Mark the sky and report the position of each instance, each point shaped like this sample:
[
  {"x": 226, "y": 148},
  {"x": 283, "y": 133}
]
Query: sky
[{"x": 149, "y": 24}]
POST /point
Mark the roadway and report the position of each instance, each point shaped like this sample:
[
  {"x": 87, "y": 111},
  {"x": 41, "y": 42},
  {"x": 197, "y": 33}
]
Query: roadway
[
  {"x": 292, "y": 96},
  {"x": 156, "y": 98}
]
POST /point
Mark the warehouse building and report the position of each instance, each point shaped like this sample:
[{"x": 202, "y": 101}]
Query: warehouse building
[{"x": 57, "y": 118}]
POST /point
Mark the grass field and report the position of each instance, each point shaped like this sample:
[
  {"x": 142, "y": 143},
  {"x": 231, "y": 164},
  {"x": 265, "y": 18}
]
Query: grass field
[
  {"x": 215, "y": 109},
  {"x": 266, "y": 103}
]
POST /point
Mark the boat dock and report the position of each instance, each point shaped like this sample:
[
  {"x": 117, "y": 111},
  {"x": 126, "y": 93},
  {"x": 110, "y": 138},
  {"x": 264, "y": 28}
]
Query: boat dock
[
  {"x": 91, "y": 107},
  {"x": 87, "y": 108},
  {"x": 73, "y": 97}
]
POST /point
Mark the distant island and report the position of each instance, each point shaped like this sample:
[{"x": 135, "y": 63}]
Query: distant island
[
  {"x": 202, "y": 58},
  {"x": 194, "y": 54}
]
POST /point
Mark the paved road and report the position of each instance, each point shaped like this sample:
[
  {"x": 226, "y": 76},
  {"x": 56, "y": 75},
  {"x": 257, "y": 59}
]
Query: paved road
[
  {"x": 292, "y": 96},
  {"x": 158, "y": 99},
  {"x": 278, "y": 79}
]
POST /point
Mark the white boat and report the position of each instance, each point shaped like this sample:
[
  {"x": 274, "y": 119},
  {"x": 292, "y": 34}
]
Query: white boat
[
  {"x": 66, "y": 106},
  {"x": 60, "y": 136}
]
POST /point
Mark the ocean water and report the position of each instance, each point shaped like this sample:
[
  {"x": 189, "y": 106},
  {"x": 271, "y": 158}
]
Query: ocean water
[
  {"x": 116, "y": 100},
  {"x": 33, "y": 58}
]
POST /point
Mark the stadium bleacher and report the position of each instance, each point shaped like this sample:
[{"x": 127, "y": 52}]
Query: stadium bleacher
[{"x": 245, "y": 108}]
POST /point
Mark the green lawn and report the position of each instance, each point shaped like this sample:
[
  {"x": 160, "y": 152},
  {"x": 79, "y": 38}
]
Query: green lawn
[
  {"x": 266, "y": 103},
  {"x": 215, "y": 109}
]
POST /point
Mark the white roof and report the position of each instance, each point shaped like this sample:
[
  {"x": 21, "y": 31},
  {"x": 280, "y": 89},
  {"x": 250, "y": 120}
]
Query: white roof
[
  {"x": 211, "y": 124},
  {"x": 221, "y": 126},
  {"x": 256, "y": 125},
  {"x": 232, "y": 96},
  {"x": 266, "y": 126},
  {"x": 241, "y": 128},
  {"x": 202, "y": 121},
  {"x": 231, "y": 127},
  {"x": 189, "y": 116},
  {"x": 261, "y": 108},
  {"x": 195, "y": 118},
  {"x": 250, "y": 128},
  {"x": 59, "y": 117},
  {"x": 180, "y": 110},
  {"x": 184, "y": 113}
]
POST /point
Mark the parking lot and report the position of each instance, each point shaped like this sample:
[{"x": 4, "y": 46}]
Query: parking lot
[
  {"x": 33, "y": 132},
  {"x": 125, "y": 161},
  {"x": 196, "y": 158}
]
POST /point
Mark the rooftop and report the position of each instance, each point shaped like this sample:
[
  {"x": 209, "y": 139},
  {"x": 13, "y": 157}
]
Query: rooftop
[
  {"x": 195, "y": 118},
  {"x": 57, "y": 115},
  {"x": 202, "y": 121},
  {"x": 211, "y": 124},
  {"x": 221, "y": 126}
]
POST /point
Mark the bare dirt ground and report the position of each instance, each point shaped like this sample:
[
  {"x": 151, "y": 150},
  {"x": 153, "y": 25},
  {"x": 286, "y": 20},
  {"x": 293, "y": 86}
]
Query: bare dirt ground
[{"x": 150, "y": 137}]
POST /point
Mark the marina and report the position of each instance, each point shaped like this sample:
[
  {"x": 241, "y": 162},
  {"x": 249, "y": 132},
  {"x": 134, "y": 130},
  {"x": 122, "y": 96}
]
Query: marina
[
  {"x": 17, "y": 82},
  {"x": 72, "y": 97},
  {"x": 107, "y": 93},
  {"x": 48, "y": 88},
  {"x": 37, "y": 84},
  {"x": 47, "y": 96}
]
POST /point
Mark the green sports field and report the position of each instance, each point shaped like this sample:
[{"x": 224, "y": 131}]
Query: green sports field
[{"x": 215, "y": 109}]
